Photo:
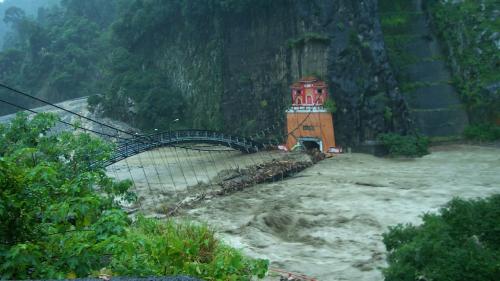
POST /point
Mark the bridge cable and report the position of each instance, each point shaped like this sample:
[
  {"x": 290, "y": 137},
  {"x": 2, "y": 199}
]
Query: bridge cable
[
  {"x": 139, "y": 200},
  {"x": 162, "y": 153},
  {"x": 151, "y": 157},
  {"x": 190, "y": 163},
  {"x": 231, "y": 159},
  {"x": 147, "y": 180},
  {"x": 210, "y": 166},
  {"x": 200, "y": 161},
  {"x": 204, "y": 164},
  {"x": 62, "y": 121},
  {"x": 62, "y": 108},
  {"x": 214, "y": 163},
  {"x": 179, "y": 164}
]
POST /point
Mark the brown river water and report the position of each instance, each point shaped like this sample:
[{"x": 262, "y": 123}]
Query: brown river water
[{"x": 326, "y": 221}]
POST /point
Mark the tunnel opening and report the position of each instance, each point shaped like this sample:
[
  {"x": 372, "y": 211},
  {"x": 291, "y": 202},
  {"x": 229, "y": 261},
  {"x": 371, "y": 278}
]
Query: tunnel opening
[{"x": 311, "y": 144}]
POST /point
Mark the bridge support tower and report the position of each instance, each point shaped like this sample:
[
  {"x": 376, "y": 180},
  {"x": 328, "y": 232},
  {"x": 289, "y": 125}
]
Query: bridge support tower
[{"x": 309, "y": 124}]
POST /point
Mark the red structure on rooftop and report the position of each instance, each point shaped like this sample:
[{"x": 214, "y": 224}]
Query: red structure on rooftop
[{"x": 309, "y": 91}]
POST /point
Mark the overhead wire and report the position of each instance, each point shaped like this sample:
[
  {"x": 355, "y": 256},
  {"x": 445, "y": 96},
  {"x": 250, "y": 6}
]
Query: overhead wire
[
  {"x": 62, "y": 108},
  {"x": 137, "y": 138},
  {"x": 155, "y": 202},
  {"x": 63, "y": 122},
  {"x": 163, "y": 156},
  {"x": 179, "y": 164}
]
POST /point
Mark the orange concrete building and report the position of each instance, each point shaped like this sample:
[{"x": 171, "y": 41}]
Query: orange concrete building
[{"x": 309, "y": 124}]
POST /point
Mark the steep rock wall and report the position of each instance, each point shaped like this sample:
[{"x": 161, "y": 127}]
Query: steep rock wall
[
  {"x": 265, "y": 50},
  {"x": 470, "y": 34},
  {"x": 234, "y": 63},
  {"x": 426, "y": 82}
]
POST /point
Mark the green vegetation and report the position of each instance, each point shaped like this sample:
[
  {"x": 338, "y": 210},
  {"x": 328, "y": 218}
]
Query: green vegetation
[
  {"x": 58, "y": 54},
  {"x": 387, "y": 114},
  {"x": 62, "y": 54},
  {"x": 468, "y": 30},
  {"x": 133, "y": 57},
  {"x": 330, "y": 105},
  {"x": 60, "y": 216},
  {"x": 482, "y": 132},
  {"x": 462, "y": 242},
  {"x": 406, "y": 146},
  {"x": 396, "y": 17}
]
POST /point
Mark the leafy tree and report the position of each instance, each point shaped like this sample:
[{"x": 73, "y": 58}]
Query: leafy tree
[
  {"x": 408, "y": 146},
  {"x": 60, "y": 216},
  {"x": 462, "y": 242},
  {"x": 14, "y": 15},
  {"x": 101, "y": 12},
  {"x": 60, "y": 51}
]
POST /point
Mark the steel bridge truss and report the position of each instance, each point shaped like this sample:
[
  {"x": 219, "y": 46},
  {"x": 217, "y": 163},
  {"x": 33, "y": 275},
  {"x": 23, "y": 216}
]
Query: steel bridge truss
[{"x": 145, "y": 143}]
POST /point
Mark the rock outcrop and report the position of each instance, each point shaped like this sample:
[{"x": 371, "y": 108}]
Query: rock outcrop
[{"x": 240, "y": 72}]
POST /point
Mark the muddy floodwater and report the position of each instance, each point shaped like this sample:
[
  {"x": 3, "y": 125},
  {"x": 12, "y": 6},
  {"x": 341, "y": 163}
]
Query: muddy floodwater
[
  {"x": 327, "y": 221},
  {"x": 165, "y": 176}
]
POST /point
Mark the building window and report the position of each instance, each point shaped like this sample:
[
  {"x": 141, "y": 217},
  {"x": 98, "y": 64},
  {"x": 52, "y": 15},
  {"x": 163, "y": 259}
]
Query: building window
[
  {"x": 320, "y": 91},
  {"x": 298, "y": 92},
  {"x": 309, "y": 99},
  {"x": 308, "y": 128}
]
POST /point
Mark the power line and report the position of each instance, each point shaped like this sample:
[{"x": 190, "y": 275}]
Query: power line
[
  {"x": 64, "y": 122},
  {"x": 63, "y": 109}
]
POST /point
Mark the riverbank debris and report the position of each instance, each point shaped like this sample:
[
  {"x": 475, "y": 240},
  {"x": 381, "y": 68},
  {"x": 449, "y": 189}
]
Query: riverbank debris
[{"x": 233, "y": 180}]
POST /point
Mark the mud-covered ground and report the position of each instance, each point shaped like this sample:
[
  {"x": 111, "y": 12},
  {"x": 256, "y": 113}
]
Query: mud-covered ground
[{"x": 327, "y": 221}]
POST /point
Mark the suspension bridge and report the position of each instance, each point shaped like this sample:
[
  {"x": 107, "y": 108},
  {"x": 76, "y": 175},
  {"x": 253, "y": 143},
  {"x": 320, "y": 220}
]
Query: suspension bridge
[
  {"x": 166, "y": 167},
  {"x": 144, "y": 143}
]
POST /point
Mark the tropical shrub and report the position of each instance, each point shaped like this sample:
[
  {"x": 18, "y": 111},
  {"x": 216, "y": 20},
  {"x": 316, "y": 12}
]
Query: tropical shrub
[
  {"x": 60, "y": 217},
  {"x": 482, "y": 132},
  {"x": 461, "y": 242},
  {"x": 408, "y": 146}
]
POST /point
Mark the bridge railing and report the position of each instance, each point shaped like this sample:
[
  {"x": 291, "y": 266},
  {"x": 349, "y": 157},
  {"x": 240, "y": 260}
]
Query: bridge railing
[
  {"x": 144, "y": 143},
  {"x": 190, "y": 134}
]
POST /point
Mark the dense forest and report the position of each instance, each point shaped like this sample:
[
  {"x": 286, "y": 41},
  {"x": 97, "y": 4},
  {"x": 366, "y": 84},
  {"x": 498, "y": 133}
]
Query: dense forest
[
  {"x": 150, "y": 62},
  {"x": 30, "y": 7},
  {"x": 57, "y": 54}
]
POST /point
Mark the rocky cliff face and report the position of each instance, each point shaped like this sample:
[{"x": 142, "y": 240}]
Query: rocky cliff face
[
  {"x": 469, "y": 31},
  {"x": 256, "y": 52},
  {"x": 417, "y": 57},
  {"x": 339, "y": 41}
]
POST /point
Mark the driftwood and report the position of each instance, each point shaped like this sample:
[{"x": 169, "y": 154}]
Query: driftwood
[
  {"x": 243, "y": 178},
  {"x": 268, "y": 172}
]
